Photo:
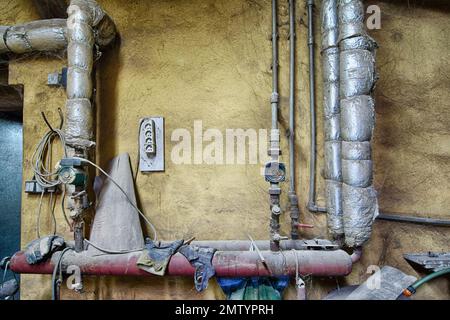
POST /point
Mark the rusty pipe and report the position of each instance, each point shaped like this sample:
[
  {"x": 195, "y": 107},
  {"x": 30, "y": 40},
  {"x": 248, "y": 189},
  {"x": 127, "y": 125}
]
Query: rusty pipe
[{"x": 226, "y": 264}]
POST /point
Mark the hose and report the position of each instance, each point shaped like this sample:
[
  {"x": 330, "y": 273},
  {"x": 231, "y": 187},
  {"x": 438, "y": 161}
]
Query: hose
[
  {"x": 56, "y": 283},
  {"x": 413, "y": 288}
]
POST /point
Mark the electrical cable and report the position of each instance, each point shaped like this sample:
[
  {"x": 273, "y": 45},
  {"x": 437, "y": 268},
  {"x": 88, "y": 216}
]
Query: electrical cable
[
  {"x": 57, "y": 282},
  {"x": 111, "y": 251},
  {"x": 155, "y": 237}
]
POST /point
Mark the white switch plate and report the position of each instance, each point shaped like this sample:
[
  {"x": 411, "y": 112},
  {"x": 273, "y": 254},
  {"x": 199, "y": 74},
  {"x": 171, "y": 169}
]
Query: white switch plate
[{"x": 156, "y": 162}]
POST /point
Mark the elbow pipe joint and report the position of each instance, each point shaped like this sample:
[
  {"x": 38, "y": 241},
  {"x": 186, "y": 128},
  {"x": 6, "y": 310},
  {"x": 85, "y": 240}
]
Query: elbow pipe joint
[{"x": 356, "y": 255}]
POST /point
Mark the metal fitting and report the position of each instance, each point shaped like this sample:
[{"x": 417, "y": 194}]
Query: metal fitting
[{"x": 276, "y": 210}]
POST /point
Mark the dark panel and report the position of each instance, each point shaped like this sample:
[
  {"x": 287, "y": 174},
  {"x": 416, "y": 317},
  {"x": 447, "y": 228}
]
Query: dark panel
[{"x": 10, "y": 184}]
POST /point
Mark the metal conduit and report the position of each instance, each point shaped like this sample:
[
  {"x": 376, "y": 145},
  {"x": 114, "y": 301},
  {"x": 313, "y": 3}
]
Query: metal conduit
[
  {"x": 293, "y": 199},
  {"x": 274, "y": 151}
]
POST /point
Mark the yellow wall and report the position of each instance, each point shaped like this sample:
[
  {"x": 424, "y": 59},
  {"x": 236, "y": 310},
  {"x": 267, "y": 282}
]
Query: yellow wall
[{"x": 210, "y": 60}]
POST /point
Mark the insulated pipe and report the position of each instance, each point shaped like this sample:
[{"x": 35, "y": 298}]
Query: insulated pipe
[
  {"x": 332, "y": 137},
  {"x": 226, "y": 264},
  {"x": 36, "y": 36},
  {"x": 293, "y": 199},
  {"x": 83, "y": 17},
  {"x": 357, "y": 121},
  {"x": 274, "y": 151}
]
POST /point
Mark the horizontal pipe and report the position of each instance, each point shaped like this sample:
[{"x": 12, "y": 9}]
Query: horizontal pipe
[
  {"x": 244, "y": 245},
  {"x": 412, "y": 219},
  {"x": 42, "y": 35},
  {"x": 226, "y": 264}
]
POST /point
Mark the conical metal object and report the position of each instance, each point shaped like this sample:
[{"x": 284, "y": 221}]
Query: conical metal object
[{"x": 116, "y": 224}]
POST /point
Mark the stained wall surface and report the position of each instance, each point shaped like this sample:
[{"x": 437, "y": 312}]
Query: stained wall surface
[{"x": 210, "y": 60}]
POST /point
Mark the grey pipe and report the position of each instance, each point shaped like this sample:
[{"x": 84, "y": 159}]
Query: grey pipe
[
  {"x": 274, "y": 152},
  {"x": 312, "y": 205},
  {"x": 332, "y": 147},
  {"x": 36, "y": 36},
  {"x": 293, "y": 199}
]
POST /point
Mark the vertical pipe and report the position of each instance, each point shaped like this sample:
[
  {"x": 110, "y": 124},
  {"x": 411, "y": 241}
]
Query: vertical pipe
[
  {"x": 293, "y": 199},
  {"x": 357, "y": 117},
  {"x": 274, "y": 152},
  {"x": 79, "y": 110},
  {"x": 332, "y": 111},
  {"x": 312, "y": 205}
]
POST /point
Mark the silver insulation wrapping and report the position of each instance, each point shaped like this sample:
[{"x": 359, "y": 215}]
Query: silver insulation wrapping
[
  {"x": 360, "y": 205},
  {"x": 332, "y": 149},
  {"x": 357, "y": 81},
  {"x": 80, "y": 57},
  {"x": 42, "y": 35}
]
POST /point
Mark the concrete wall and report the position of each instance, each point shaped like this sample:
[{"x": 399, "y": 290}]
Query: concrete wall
[{"x": 210, "y": 60}]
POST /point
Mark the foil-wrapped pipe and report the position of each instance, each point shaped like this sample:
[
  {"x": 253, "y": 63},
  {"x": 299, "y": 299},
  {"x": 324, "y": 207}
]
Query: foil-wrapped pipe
[
  {"x": 351, "y": 19},
  {"x": 87, "y": 23},
  {"x": 357, "y": 67},
  {"x": 332, "y": 127},
  {"x": 357, "y": 81},
  {"x": 36, "y": 36}
]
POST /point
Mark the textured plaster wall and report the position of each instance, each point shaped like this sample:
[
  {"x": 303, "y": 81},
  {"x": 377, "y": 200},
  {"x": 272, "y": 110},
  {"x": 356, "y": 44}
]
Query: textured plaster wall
[{"x": 210, "y": 61}]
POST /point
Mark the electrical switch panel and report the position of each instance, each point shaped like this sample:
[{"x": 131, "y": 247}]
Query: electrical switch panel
[{"x": 151, "y": 144}]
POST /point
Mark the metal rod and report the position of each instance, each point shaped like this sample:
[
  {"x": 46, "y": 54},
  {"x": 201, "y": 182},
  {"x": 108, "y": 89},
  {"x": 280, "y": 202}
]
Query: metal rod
[{"x": 226, "y": 264}]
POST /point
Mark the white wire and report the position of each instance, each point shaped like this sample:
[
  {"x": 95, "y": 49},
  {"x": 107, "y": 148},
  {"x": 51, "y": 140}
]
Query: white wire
[
  {"x": 155, "y": 237},
  {"x": 44, "y": 175}
]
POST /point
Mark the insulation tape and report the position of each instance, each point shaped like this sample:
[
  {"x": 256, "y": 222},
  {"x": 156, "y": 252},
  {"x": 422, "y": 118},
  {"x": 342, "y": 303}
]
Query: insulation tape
[
  {"x": 351, "y": 19},
  {"x": 79, "y": 84},
  {"x": 357, "y": 118},
  {"x": 329, "y": 18},
  {"x": 333, "y": 190},
  {"x": 42, "y": 35},
  {"x": 357, "y": 173},
  {"x": 79, "y": 123},
  {"x": 355, "y": 150},
  {"x": 358, "y": 75},
  {"x": 330, "y": 65},
  {"x": 332, "y": 128},
  {"x": 331, "y": 103},
  {"x": 360, "y": 208},
  {"x": 332, "y": 160},
  {"x": 360, "y": 42}
]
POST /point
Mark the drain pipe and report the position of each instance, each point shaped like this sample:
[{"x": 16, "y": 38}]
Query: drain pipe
[
  {"x": 83, "y": 17},
  {"x": 293, "y": 199},
  {"x": 274, "y": 169}
]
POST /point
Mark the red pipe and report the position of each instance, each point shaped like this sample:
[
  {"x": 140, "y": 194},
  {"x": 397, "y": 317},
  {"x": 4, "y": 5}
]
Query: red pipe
[{"x": 226, "y": 264}]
